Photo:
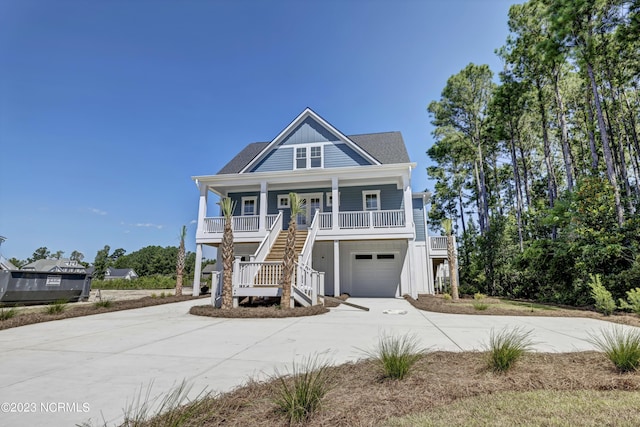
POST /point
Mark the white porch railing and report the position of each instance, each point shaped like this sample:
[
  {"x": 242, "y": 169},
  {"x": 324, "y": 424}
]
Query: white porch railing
[
  {"x": 438, "y": 243},
  {"x": 309, "y": 283},
  {"x": 238, "y": 224},
  {"x": 255, "y": 274},
  {"x": 271, "y": 219},
  {"x": 372, "y": 219},
  {"x": 312, "y": 232},
  {"x": 325, "y": 220},
  {"x": 267, "y": 243}
]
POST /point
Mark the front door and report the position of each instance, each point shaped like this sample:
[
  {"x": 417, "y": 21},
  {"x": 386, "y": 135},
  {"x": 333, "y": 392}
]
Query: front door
[{"x": 310, "y": 203}]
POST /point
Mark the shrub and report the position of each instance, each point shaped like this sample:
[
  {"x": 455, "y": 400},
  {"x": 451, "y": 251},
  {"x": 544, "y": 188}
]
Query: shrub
[
  {"x": 396, "y": 355},
  {"x": 300, "y": 394},
  {"x": 633, "y": 301},
  {"x": 478, "y": 296},
  {"x": 106, "y": 303},
  {"x": 56, "y": 308},
  {"x": 506, "y": 347},
  {"x": 480, "y": 306},
  {"x": 604, "y": 302},
  {"x": 446, "y": 296},
  {"x": 621, "y": 346},
  {"x": 8, "y": 314}
]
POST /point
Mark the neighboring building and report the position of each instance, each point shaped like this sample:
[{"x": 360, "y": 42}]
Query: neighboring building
[
  {"x": 364, "y": 231},
  {"x": 62, "y": 265},
  {"x": 5, "y": 264},
  {"x": 116, "y": 273},
  {"x": 208, "y": 269}
]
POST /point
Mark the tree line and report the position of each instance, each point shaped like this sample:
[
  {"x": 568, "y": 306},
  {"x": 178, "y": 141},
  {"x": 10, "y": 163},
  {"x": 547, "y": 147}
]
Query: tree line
[{"x": 540, "y": 171}]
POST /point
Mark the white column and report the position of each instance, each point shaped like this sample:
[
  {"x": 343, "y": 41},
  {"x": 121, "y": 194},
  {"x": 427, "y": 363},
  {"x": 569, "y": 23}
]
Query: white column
[
  {"x": 336, "y": 268},
  {"x": 335, "y": 203},
  {"x": 198, "y": 271},
  {"x": 202, "y": 209},
  {"x": 408, "y": 205},
  {"x": 263, "y": 206}
]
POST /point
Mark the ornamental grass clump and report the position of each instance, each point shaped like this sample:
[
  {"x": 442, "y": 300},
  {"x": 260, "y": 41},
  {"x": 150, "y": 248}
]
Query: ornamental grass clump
[
  {"x": 620, "y": 345},
  {"x": 105, "y": 303},
  {"x": 300, "y": 394},
  {"x": 8, "y": 314},
  {"x": 396, "y": 355},
  {"x": 633, "y": 301},
  {"x": 506, "y": 347},
  {"x": 57, "y": 307},
  {"x": 604, "y": 302}
]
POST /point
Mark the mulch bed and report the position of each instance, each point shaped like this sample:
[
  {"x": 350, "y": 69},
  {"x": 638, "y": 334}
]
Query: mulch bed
[
  {"x": 438, "y": 304},
  {"x": 257, "y": 312},
  {"x": 361, "y": 397},
  {"x": 31, "y": 317}
]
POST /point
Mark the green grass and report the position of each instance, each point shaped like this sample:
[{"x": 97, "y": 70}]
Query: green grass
[
  {"x": 506, "y": 347},
  {"x": 146, "y": 282},
  {"x": 8, "y": 314},
  {"x": 56, "y": 308},
  {"x": 535, "y": 408},
  {"x": 300, "y": 394},
  {"x": 620, "y": 345},
  {"x": 106, "y": 303},
  {"x": 396, "y": 355}
]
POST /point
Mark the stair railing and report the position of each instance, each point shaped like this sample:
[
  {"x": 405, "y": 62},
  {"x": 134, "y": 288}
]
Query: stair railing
[{"x": 268, "y": 241}]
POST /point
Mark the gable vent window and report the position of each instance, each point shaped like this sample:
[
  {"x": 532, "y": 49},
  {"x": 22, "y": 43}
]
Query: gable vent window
[{"x": 308, "y": 157}]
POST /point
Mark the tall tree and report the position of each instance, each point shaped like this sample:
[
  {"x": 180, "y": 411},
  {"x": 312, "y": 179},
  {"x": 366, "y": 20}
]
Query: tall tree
[
  {"x": 101, "y": 263},
  {"x": 226, "y": 248},
  {"x": 289, "y": 262},
  {"x": 40, "y": 253},
  {"x": 181, "y": 261},
  {"x": 77, "y": 256}
]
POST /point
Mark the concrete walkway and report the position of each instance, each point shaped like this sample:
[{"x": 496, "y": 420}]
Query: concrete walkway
[{"x": 71, "y": 371}]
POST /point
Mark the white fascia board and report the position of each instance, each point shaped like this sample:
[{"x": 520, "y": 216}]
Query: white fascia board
[
  {"x": 308, "y": 112},
  {"x": 397, "y": 170},
  {"x": 424, "y": 195}
]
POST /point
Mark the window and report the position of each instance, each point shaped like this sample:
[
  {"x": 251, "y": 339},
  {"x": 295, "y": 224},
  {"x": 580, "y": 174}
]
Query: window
[
  {"x": 301, "y": 158},
  {"x": 361, "y": 256},
  {"x": 330, "y": 199},
  {"x": 283, "y": 202},
  {"x": 308, "y": 157},
  {"x": 316, "y": 157},
  {"x": 385, "y": 256},
  {"x": 371, "y": 200},
  {"x": 249, "y": 205}
]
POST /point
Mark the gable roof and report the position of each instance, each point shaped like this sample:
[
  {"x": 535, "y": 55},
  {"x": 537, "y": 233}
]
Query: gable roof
[
  {"x": 50, "y": 264},
  {"x": 383, "y": 147}
]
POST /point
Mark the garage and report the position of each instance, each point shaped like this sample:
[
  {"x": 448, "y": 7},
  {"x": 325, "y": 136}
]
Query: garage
[{"x": 375, "y": 274}]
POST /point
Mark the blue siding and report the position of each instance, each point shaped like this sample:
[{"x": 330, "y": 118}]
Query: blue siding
[
  {"x": 308, "y": 131},
  {"x": 341, "y": 155},
  {"x": 418, "y": 219},
  {"x": 277, "y": 160},
  {"x": 351, "y": 197}
]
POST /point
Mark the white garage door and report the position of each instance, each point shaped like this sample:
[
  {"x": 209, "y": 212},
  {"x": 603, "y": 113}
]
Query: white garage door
[{"x": 375, "y": 274}]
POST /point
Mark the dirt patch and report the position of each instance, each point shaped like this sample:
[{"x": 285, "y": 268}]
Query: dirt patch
[
  {"x": 496, "y": 307},
  {"x": 37, "y": 314},
  {"x": 360, "y": 397},
  {"x": 257, "y": 312}
]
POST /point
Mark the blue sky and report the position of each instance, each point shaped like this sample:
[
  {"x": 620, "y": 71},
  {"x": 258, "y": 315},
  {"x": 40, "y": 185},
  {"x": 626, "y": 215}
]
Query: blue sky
[{"x": 107, "y": 108}]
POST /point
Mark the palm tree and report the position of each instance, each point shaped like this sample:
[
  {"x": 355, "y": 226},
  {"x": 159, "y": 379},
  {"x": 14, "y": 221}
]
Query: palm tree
[
  {"x": 297, "y": 207},
  {"x": 226, "y": 248},
  {"x": 180, "y": 262},
  {"x": 451, "y": 255}
]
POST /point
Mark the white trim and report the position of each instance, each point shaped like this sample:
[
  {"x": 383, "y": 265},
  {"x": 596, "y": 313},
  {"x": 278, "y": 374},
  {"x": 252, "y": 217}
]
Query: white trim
[
  {"x": 281, "y": 205},
  {"x": 308, "y": 112},
  {"x": 255, "y": 205},
  {"x": 366, "y": 193},
  {"x": 308, "y": 213}
]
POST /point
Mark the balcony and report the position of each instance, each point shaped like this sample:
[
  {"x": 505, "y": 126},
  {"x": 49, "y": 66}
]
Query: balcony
[{"x": 352, "y": 222}]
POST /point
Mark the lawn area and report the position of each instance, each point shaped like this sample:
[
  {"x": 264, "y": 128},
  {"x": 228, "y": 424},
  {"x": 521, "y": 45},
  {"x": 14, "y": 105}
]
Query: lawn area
[
  {"x": 446, "y": 389},
  {"x": 503, "y": 307}
]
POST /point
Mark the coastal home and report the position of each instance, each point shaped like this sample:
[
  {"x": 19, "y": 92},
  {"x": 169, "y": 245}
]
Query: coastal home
[
  {"x": 116, "y": 273},
  {"x": 62, "y": 265},
  {"x": 363, "y": 231}
]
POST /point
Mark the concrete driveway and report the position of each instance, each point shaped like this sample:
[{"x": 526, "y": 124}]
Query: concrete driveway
[{"x": 71, "y": 371}]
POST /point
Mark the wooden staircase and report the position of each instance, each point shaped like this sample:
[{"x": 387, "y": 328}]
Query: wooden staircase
[
  {"x": 277, "y": 251},
  {"x": 270, "y": 275}
]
